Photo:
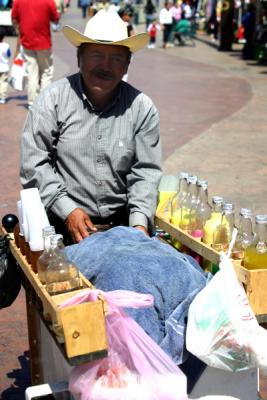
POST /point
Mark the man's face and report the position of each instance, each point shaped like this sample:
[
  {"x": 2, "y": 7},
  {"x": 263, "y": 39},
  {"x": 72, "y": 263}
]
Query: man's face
[{"x": 102, "y": 68}]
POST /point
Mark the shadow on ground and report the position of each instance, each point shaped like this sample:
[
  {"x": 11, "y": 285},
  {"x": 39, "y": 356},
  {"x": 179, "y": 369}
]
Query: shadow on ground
[{"x": 21, "y": 379}]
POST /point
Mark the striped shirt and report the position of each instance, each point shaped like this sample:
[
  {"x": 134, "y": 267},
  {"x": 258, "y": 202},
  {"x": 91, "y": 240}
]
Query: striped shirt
[{"x": 104, "y": 160}]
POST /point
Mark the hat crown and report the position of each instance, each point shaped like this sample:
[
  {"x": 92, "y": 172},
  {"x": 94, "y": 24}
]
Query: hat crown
[{"x": 106, "y": 26}]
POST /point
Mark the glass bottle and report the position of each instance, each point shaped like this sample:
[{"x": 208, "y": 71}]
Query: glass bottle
[
  {"x": 223, "y": 233},
  {"x": 245, "y": 235},
  {"x": 168, "y": 188},
  {"x": 256, "y": 254},
  {"x": 177, "y": 200},
  {"x": 61, "y": 275},
  {"x": 201, "y": 211},
  {"x": 188, "y": 202},
  {"x": 214, "y": 220},
  {"x": 44, "y": 258}
]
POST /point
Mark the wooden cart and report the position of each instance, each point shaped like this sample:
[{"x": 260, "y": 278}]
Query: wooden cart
[{"x": 62, "y": 338}]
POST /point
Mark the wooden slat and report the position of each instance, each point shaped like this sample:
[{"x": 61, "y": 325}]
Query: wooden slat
[{"x": 88, "y": 319}]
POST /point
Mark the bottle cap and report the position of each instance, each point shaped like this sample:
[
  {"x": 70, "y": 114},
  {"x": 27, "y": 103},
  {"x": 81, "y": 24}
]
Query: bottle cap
[
  {"x": 245, "y": 212},
  {"x": 217, "y": 199},
  {"x": 183, "y": 175},
  {"x": 227, "y": 206},
  {"x": 55, "y": 238},
  {"x": 192, "y": 179},
  {"x": 48, "y": 230},
  {"x": 202, "y": 183},
  {"x": 261, "y": 219}
]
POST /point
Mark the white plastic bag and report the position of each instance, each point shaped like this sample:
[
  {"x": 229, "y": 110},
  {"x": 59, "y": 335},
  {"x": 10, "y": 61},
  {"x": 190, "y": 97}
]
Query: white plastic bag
[
  {"x": 17, "y": 73},
  {"x": 222, "y": 330}
]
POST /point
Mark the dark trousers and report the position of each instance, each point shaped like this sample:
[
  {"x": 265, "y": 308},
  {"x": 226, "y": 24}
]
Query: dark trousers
[{"x": 121, "y": 217}]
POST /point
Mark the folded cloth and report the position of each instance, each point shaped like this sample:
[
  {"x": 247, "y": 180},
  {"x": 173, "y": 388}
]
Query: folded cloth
[{"x": 126, "y": 258}]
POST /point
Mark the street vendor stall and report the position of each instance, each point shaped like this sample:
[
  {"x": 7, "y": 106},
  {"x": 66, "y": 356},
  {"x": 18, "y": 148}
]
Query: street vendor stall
[{"x": 60, "y": 339}]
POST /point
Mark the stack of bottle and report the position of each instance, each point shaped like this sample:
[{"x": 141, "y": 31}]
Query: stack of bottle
[
  {"x": 42, "y": 247},
  {"x": 189, "y": 209}
]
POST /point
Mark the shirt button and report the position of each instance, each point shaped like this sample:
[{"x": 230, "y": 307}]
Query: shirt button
[
  {"x": 99, "y": 183},
  {"x": 98, "y": 160},
  {"x": 99, "y": 137}
]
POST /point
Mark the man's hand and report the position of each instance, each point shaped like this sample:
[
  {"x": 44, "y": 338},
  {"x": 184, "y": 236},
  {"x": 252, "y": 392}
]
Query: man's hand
[
  {"x": 142, "y": 228},
  {"x": 78, "y": 224}
]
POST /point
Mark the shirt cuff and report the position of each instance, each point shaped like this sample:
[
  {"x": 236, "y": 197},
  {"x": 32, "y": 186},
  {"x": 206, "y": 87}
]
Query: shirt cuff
[
  {"x": 62, "y": 207},
  {"x": 137, "y": 218}
]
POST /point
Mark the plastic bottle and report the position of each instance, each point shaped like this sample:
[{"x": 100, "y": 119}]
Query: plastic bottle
[
  {"x": 245, "y": 234},
  {"x": 223, "y": 233},
  {"x": 200, "y": 211},
  {"x": 256, "y": 254},
  {"x": 178, "y": 198},
  {"x": 214, "y": 220},
  {"x": 61, "y": 275},
  {"x": 46, "y": 255}
]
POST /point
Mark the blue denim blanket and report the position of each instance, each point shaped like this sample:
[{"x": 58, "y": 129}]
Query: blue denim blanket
[{"x": 125, "y": 258}]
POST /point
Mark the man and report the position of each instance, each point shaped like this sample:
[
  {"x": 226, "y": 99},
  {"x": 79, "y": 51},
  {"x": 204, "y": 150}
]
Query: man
[
  {"x": 91, "y": 141},
  {"x": 32, "y": 20}
]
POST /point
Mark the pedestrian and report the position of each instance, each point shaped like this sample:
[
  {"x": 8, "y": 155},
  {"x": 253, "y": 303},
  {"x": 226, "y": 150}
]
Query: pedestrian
[
  {"x": 165, "y": 19},
  {"x": 150, "y": 11},
  {"x": 249, "y": 24},
  {"x": 126, "y": 15},
  {"x": 84, "y": 4},
  {"x": 5, "y": 54},
  {"x": 91, "y": 141},
  {"x": 152, "y": 30},
  {"x": 32, "y": 20}
]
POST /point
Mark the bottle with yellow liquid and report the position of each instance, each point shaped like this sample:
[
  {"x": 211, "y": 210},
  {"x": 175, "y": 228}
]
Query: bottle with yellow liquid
[
  {"x": 214, "y": 220},
  {"x": 223, "y": 233},
  {"x": 178, "y": 198},
  {"x": 168, "y": 187},
  {"x": 200, "y": 211},
  {"x": 256, "y": 254},
  {"x": 176, "y": 207},
  {"x": 189, "y": 201},
  {"x": 245, "y": 236}
]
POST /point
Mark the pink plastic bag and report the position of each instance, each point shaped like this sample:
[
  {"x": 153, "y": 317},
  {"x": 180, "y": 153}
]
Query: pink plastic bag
[{"x": 136, "y": 367}]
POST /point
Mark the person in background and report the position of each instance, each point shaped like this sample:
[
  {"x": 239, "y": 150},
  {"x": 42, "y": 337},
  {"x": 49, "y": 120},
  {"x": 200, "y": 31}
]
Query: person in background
[
  {"x": 84, "y": 4},
  {"x": 32, "y": 20},
  {"x": 91, "y": 142},
  {"x": 187, "y": 9},
  {"x": 5, "y": 54},
  {"x": 127, "y": 15},
  {"x": 152, "y": 29},
  {"x": 182, "y": 28},
  {"x": 249, "y": 24},
  {"x": 150, "y": 11},
  {"x": 166, "y": 21}
]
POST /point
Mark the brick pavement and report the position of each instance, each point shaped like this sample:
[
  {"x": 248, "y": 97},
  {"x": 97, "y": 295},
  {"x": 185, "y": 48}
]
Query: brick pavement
[{"x": 212, "y": 107}]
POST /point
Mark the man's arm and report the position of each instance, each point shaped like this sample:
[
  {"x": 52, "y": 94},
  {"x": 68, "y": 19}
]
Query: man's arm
[
  {"x": 143, "y": 180},
  {"x": 36, "y": 171},
  {"x": 54, "y": 15}
]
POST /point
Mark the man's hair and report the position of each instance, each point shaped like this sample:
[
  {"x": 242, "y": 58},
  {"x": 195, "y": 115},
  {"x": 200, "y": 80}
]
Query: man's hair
[{"x": 81, "y": 48}]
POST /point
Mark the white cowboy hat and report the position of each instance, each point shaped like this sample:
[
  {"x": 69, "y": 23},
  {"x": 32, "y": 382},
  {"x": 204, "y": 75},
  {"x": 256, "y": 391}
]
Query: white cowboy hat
[{"x": 106, "y": 27}]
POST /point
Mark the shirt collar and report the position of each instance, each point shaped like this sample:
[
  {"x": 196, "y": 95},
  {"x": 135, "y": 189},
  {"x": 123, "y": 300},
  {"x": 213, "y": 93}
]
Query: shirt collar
[{"x": 87, "y": 103}]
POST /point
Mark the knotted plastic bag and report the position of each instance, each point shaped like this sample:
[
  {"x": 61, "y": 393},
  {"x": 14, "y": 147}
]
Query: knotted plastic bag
[
  {"x": 136, "y": 368},
  {"x": 17, "y": 73},
  {"x": 222, "y": 329}
]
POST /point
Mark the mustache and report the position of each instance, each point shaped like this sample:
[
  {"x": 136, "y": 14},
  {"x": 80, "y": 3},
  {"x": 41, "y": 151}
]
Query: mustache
[{"x": 106, "y": 75}]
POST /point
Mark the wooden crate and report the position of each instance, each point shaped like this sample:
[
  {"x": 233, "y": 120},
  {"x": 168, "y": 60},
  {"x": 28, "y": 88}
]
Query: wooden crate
[
  {"x": 254, "y": 281},
  {"x": 79, "y": 330}
]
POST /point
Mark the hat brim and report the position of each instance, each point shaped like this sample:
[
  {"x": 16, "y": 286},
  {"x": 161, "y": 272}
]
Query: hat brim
[{"x": 134, "y": 43}]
